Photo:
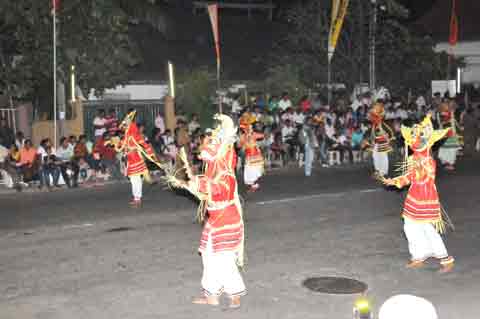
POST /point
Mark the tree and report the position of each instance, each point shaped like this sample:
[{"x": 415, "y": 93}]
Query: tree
[
  {"x": 404, "y": 60},
  {"x": 92, "y": 35},
  {"x": 196, "y": 94}
]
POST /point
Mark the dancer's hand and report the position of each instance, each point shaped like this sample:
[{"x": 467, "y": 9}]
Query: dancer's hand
[{"x": 389, "y": 181}]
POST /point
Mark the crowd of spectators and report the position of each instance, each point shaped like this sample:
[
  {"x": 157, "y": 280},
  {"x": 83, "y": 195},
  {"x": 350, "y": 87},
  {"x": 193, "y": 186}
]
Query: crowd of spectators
[{"x": 338, "y": 134}]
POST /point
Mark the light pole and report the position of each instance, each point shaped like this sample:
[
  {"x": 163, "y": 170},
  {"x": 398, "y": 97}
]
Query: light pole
[{"x": 373, "y": 31}]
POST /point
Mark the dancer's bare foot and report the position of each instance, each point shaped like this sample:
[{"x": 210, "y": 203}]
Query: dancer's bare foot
[
  {"x": 414, "y": 264},
  {"x": 206, "y": 300},
  {"x": 447, "y": 265},
  {"x": 135, "y": 203},
  {"x": 235, "y": 302}
]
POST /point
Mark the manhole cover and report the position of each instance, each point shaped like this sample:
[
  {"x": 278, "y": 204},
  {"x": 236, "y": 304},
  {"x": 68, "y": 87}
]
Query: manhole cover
[
  {"x": 119, "y": 229},
  {"x": 335, "y": 285}
]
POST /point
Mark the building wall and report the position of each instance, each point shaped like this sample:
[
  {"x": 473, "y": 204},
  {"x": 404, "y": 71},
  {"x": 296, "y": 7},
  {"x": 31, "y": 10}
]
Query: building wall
[
  {"x": 470, "y": 51},
  {"x": 133, "y": 92}
]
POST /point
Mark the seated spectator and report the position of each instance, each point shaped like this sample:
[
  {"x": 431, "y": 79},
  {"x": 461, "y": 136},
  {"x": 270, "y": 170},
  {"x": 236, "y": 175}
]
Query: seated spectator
[
  {"x": 105, "y": 153},
  {"x": 68, "y": 167},
  {"x": 28, "y": 164},
  {"x": 8, "y": 169},
  {"x": 85, "y": 173},
  {"x": 80, "y": 149},
  {"x": 50, "y": 168}
]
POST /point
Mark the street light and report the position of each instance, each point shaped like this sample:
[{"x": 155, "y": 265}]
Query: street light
[
  {"x": 373, "y": 27},
  {"x": 72, "y": 82},
  {"x": 171, "y": 79}
]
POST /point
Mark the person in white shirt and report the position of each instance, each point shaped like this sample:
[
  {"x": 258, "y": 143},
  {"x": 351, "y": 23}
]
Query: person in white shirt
[
  {"x": 160, "y": 123},
  {"x": 99, "y": 123},
  {"x": 288, "y": 116},
  {"x": 329, "y": 129},
  {"x": 299, "y": 117},
  {"x": 284, "y": 103},
  {"x": 401, "y": 113},
  {"x": 236, "y": 107},
  {"x": 194, "y": 124},
  {"x": 288, "y": 131},
  {"x": 69, "y": 168}
]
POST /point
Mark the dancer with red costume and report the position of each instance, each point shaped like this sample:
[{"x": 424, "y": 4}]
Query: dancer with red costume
[
  {"x": 254, "y": 163},
  {"x": 381, "y": 137},
  {"x": 447, "y": 153},
  {"x": 422, "y": 212},
  {"x": 136, "y": 149},
  {"x": 222, "y": 239}
]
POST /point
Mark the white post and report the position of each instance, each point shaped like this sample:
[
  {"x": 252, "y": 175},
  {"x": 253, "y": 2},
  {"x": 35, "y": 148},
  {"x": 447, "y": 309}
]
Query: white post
[{"x": 54, "y": 77}]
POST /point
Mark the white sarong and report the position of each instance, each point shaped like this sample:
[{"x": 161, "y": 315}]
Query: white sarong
[{"x": 424, "y": 241}]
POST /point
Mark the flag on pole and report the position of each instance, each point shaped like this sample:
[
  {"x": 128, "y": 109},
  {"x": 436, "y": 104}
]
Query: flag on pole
[
  {"x": 339, "y": 11},
  {"x": 55, "y": 6},
  {"x": 213, "y": 13},
  {"x": 453, "y": 39}
]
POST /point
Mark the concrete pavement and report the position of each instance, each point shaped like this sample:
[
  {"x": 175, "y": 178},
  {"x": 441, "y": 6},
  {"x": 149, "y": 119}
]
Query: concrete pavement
[{"x": 60, "y": 259}]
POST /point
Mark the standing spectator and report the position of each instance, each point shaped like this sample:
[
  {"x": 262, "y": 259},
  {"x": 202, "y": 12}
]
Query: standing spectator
[
  {"x": 72, "y": 140},
  {"x": 170, "y": 147},
  {"x": 284, "y": 102},
  {"x": 288, "y": 115},
  {"x": 6, "y": 133},
  {"x": 19, "y": 139},
  {"x": 160, "y": 123},
  {"x": 183, "y": 139},
  {"x": 305, "y": 104},
  {"x": 141, "y": 130},
  {"x": 194, "y": 124},
  {"x": 111, "y": 122},
  {"x": 99, "y": 124},
  {"x": 299, "y": 117},
  {"x": 236, "y": 107},
  {"x": 273, "y": 103},
  {"x": 68, "y": 167},
  {"x": 308, "y": 139},
  {"x": 357, "y": 139},
  {"x": 28, "y": 161}
]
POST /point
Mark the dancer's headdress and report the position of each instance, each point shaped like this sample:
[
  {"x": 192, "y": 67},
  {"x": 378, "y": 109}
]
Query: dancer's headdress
[{"x": 422, "y": 136}]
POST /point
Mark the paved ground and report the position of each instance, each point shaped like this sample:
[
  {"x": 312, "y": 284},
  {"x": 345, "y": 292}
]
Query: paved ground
[{"x": 59, "y": 260}]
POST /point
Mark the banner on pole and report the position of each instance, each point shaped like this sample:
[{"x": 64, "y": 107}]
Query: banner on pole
[
  {"x": 339, "y": 11},
  {"x": 213, "y": 13},
  {"x": 453, "y": 39}
]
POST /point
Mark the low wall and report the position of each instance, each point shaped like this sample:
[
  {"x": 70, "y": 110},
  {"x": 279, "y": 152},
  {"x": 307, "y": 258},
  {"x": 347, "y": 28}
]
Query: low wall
[{"x": 44, "y": 129}]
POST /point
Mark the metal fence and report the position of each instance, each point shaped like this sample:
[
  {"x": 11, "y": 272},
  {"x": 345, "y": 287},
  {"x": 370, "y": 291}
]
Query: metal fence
[{"x": 146, "y": 112}]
